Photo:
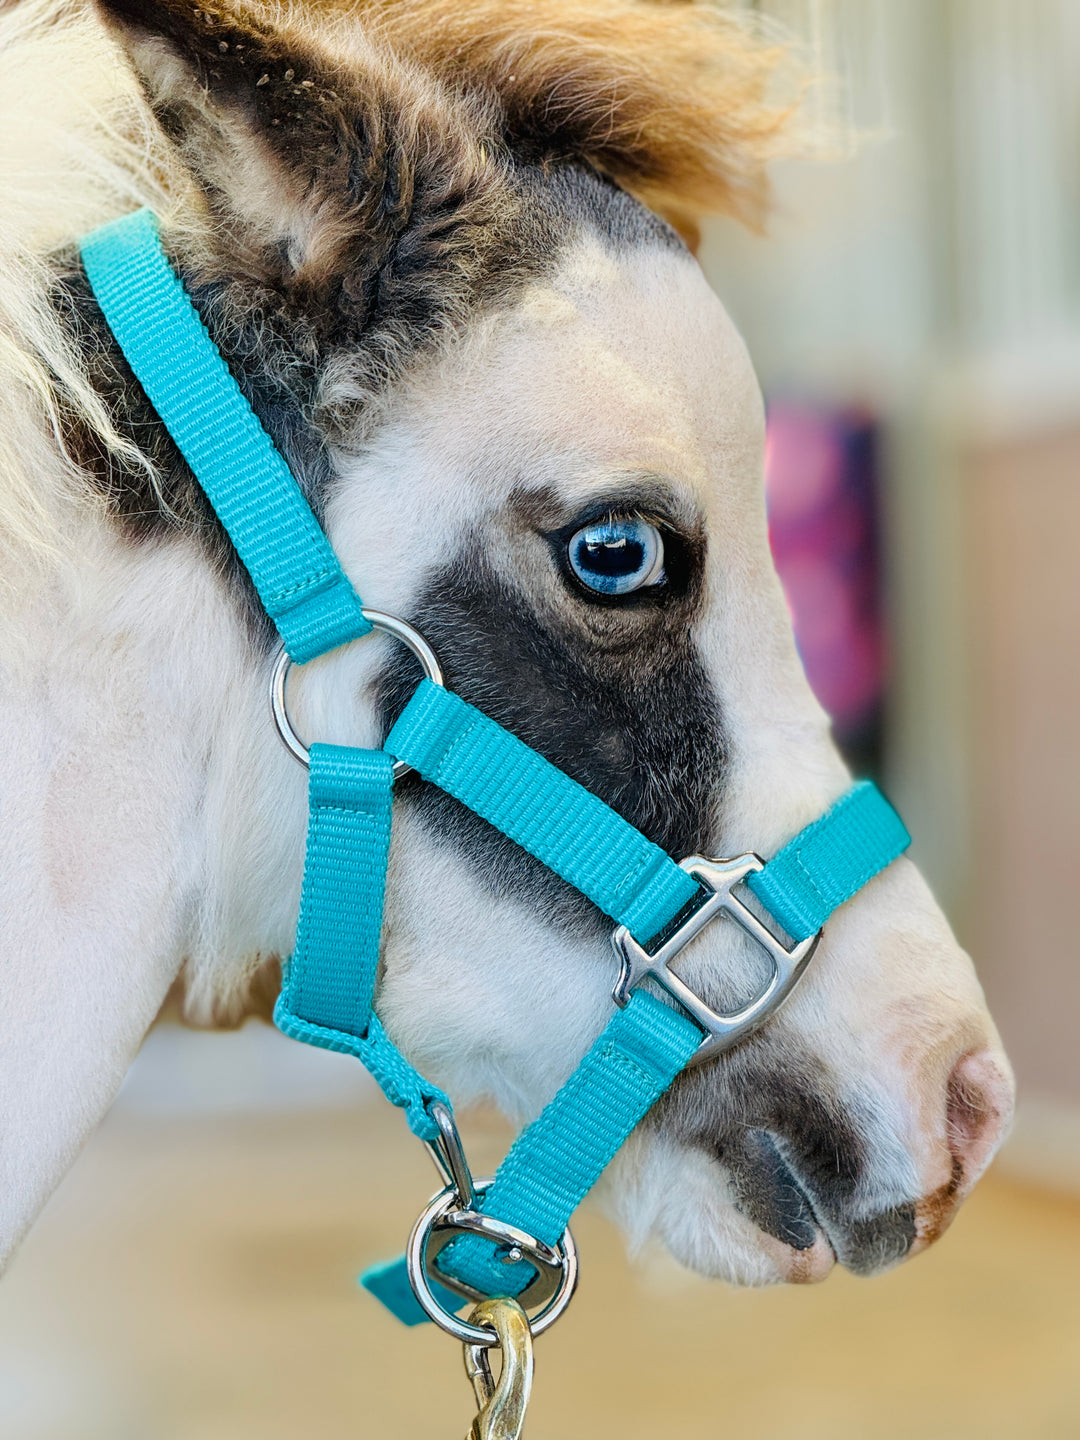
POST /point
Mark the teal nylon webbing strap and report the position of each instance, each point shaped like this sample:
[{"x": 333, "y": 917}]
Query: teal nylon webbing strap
[
  {"x": 573, "y": 832},
  {"x": 329, "y": 983},
  {"x": 831, "y": 860},
  {"x": 297, "y": 575},
  {"x": 556, "y": 1160}
]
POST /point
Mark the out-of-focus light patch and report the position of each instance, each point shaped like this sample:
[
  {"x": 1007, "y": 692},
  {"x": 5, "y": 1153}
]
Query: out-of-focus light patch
[
  {"x": 187, "y": 1072},
  {"x": 821, "y": 487},
  {"x": 51, "y": 1392}
]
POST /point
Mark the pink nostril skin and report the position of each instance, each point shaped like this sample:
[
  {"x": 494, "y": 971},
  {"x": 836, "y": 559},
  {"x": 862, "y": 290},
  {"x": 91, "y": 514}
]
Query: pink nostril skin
[{"x": 979, "y": 1105}]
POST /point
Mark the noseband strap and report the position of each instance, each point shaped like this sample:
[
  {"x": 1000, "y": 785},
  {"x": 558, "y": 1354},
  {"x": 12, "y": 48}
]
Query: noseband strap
[{"x": 329, "y": 984}]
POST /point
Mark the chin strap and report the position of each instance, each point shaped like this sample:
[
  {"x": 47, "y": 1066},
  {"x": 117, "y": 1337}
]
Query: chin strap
[{"x": 328, "y": 988}]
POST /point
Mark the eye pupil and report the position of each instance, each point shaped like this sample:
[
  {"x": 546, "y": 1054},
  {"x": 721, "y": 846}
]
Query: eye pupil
[{"x": 616, "y": 557}]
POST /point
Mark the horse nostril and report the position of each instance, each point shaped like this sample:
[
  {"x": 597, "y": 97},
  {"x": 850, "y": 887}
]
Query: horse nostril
[
  {"x": 979, "y": 1104},
  {"x": 978, "y": 1107}
]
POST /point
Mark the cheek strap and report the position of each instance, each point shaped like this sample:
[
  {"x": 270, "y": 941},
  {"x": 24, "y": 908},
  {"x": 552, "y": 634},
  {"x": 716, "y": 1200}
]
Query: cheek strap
[{"x": 297, "y": 576}]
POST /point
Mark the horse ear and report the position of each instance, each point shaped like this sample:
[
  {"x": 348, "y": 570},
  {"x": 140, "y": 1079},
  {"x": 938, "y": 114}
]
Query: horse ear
[{"x": 269, "y": 141}]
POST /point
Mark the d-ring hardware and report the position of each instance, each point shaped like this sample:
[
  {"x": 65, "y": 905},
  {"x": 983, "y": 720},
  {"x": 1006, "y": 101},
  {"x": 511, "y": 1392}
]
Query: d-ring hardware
[
  {"x": 442, "y": 1221},
  {"x": 378, "y": 620},
  {"x": 516, "y": 1244},
  {"x": 722, "y": 1030}
]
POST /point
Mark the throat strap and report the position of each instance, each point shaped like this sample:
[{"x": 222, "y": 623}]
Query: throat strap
[{"x": 297, "y": 575}]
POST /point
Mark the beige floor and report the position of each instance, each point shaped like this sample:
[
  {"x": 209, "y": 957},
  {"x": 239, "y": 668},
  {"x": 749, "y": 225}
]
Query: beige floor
[{"x": 193, "y": 1281}]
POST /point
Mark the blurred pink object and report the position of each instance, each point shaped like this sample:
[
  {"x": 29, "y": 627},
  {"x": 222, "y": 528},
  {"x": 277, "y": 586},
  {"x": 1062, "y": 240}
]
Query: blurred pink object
[{"x": 821, "y": 486}]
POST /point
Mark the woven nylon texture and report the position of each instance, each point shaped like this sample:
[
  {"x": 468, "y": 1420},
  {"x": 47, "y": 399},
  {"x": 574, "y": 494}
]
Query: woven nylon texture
[
  {"x": 297, "y": 575},
  {"x": 390, "y": 1284},
  {"x": 830, "y": 860},
  {"x": 329, "y": 983},
  {"x": 332, "y": 975},
  {"x": 553, "y": 817},
  {"x": 559, "y": 1158},
  {"x": 327, "y": 988}
]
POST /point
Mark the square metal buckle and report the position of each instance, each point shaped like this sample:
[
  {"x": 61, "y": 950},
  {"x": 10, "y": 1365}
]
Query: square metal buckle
[{"x": 718, "y": 879}]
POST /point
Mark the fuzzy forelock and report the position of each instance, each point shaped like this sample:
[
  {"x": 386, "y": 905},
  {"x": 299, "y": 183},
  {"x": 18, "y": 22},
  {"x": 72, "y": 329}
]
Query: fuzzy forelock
[
  {"x": 676, "y": 100},
  {"x": 672, "y": 99}
]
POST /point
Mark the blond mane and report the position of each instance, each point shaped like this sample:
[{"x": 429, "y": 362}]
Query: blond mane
[{"x": 679, "y": 101}]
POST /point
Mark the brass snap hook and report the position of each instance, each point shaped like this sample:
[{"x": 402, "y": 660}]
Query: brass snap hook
[{"x": 502, "y": 1402}]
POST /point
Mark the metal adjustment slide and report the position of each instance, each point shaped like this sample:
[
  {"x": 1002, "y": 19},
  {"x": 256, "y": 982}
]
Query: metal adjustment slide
[{"x": 717, "y": 879}]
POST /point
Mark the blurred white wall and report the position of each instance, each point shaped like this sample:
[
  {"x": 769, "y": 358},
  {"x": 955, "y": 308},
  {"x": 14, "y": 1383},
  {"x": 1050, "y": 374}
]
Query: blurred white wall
[{"x": 936, "y": 276}]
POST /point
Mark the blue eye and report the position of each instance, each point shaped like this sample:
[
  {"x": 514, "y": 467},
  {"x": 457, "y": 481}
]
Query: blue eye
[{"x": 615, "y": 557}]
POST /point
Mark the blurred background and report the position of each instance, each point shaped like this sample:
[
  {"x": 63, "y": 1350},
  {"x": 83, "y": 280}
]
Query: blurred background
[{"x": 915, "y": 318}]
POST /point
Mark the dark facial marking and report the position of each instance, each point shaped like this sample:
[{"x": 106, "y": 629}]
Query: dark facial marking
[
  {"x": 792, "y": 1146},
  {"x": 766, "y": 1188},
  {"x": 633, "y": 720},
  {"x": 599, "y": 205}
]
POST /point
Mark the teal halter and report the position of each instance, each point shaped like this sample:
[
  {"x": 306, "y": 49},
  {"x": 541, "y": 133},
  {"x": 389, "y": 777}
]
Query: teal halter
[{"x": 501, "y": 1239}]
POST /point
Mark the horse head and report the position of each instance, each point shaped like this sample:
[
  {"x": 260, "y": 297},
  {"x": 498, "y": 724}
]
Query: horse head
[{"x": 428, "y": 239}]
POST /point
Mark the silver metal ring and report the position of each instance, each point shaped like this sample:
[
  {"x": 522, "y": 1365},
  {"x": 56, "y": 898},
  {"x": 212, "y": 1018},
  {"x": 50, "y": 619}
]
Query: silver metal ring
[
  {"x": 378, "y": 620},
  {"x": 442, "y": 1213}
]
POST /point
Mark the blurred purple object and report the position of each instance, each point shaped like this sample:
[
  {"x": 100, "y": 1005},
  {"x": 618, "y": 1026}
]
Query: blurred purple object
[{"x": 821, "y": 487}]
